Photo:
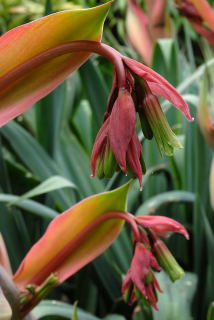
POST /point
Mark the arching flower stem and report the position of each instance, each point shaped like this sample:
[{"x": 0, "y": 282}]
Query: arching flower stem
[{"x": 65, "y": 48}]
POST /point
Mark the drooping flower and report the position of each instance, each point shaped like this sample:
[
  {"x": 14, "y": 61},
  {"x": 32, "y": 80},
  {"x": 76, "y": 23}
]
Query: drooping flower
[
  {"x": 25, "y": 80},
  {"x": 117, "y": 141},
  {"x": 141, "y": 277},
  {"x": 136, "y": 92},
  {"x": 151, "y": 254},
  {"x": 85, "y": 231},
  {"x": 162, "y": 225}
]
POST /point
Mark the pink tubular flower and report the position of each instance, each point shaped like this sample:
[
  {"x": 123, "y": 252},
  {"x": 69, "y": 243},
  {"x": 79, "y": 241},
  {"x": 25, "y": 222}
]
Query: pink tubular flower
[
  {"x": 135, "y": 90},
  {"x": 93, "y": 224},
  {"x": 162, "y": 225},
  {"x": 117, "y": 141},
  {"x": 151, "y": 254},
  {"x": 141, "y": 277}
]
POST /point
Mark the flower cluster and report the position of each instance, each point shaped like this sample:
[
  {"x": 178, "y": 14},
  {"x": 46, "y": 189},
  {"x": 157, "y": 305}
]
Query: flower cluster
[
  {"x": 151, "y": 254},
  {"x": 94, "y": 223},
  {"x": 117, "y": 145}
]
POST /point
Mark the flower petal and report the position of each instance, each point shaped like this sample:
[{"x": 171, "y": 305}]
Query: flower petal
[
  {"x": 161, "y": 225},
  {"x": 51, "y": 253},
  {"x": 159, "y": 86},
  {"x": 100, "y": 141},
  {"x": 122, "y": 126},
  {"x": 133, "y": 157},
  {"x": 26, "y": 41}
]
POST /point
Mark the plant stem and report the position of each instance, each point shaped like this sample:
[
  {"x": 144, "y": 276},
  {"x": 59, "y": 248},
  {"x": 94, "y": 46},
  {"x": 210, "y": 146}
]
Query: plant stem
[
  {"x": 10, "y": 292},
  {"x": 75, "y": 46}
]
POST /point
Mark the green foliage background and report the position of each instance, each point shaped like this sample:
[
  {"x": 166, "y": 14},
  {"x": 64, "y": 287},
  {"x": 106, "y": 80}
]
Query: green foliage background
[{"x": 51, "y": 144}]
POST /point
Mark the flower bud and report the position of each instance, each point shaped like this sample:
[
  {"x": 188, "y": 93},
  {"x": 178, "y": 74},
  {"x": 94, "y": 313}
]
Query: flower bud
[
  {"x": 109, "y": 162},
  {"x": 145, "y": 126},
  {"x": 167, "y": 261},
  {"x": 100, "y": 168},
  {"x": 164, "y": 136}
]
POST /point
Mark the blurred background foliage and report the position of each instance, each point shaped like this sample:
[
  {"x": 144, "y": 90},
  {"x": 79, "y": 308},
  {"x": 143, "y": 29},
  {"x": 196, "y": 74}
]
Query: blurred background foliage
[{"x": 48, "y": 148}]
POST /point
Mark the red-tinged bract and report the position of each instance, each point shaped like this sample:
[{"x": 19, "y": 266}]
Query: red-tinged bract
[
  {"x": 162, "y": 225},
  {"x": 27, "y": 41}
]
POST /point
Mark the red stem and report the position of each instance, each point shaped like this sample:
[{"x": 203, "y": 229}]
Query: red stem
[{"x": 65, "y": 48}]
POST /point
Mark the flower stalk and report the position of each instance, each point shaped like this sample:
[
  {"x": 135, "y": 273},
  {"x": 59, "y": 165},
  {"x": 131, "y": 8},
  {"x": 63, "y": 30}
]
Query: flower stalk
[
  {"x": 75, "y": 46},
  {"x": 10, "y": 292},
  {"x": 116, "y": 142}
]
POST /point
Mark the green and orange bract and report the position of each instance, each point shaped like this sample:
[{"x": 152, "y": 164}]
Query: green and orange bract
[
  {"x": 53, "y": 253},
  {"x": 26, "y": 41}
]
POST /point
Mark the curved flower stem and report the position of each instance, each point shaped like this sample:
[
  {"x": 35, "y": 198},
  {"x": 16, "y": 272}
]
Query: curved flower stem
[
  {"x": 118, "y": 215},
  {"x": 84, "y": 234},
  {"x": 65, "y": 48}
]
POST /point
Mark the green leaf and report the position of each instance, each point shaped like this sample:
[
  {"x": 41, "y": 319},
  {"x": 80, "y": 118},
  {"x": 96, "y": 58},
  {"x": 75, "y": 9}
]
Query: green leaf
[
  {"x": 34, "y": 207},
  {"x": 74, "y": 316},
  {"x": 51, "y": 184},
  {"x": 165, "y": 59},
  {"x": 114, "y": 317},
  {"x": 37, "y": 160},
  {"x": 63, "y": 310},
  {"x": 175, "y": 302},
  {"x": 210, "y": 314},
  {"x": 154, "y": 203},
  {"x": 94, "y": 82}
]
